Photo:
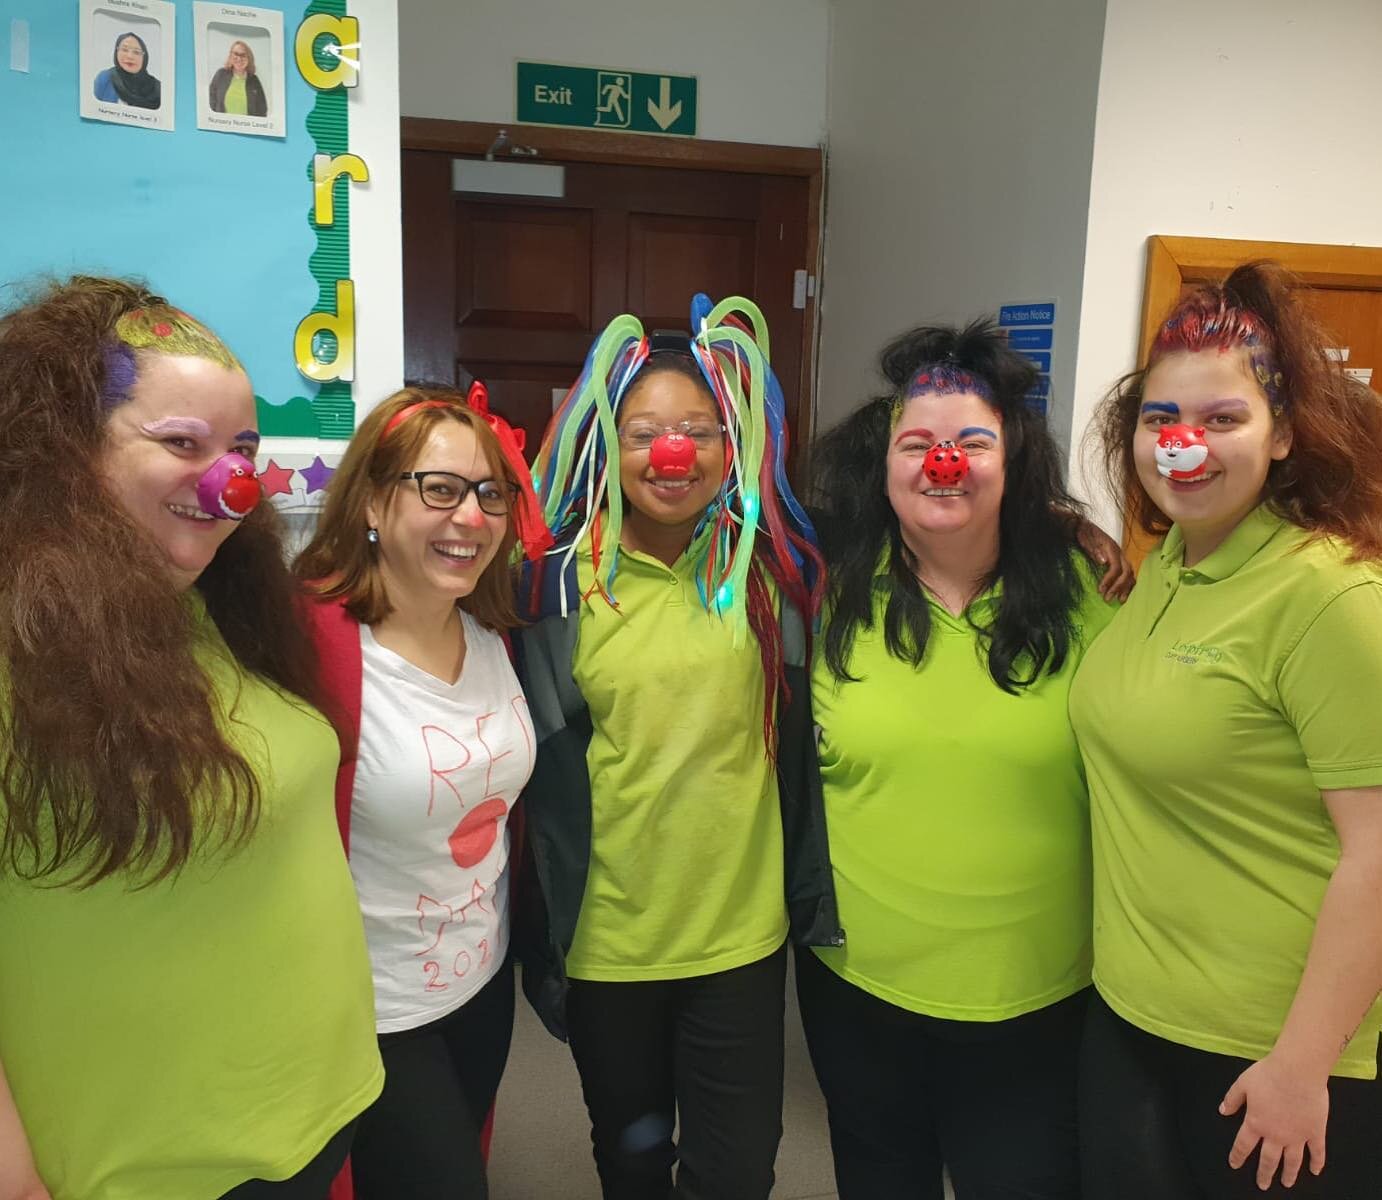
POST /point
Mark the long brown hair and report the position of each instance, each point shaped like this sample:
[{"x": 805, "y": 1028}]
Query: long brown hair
[
  {"x": 339, "y": 563},
  {"x": 1329, "y": 483},
  {"x": 112, "y": 756}
]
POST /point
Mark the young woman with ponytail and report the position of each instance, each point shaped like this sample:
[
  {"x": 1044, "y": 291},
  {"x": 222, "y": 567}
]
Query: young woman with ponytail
[{"x": 1231, "y": 729}]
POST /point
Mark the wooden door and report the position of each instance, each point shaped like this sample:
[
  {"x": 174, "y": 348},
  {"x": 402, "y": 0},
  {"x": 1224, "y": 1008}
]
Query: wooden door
[
  {"x": 1342, "y": 288},
  {"x": 513, "y": 289}
]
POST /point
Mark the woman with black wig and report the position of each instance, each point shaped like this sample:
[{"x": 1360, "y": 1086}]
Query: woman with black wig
[{"x": 945, "y": 1030}]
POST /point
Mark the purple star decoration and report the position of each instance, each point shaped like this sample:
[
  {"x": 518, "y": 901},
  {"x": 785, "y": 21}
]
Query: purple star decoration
[{"x": 317, "y": 475}]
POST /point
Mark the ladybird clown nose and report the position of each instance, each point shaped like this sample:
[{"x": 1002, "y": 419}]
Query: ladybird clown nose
[
  {"x": 946, "y": 464},
  {"x": 228, "y": 490},
  {"x": 672, "y": 455}
]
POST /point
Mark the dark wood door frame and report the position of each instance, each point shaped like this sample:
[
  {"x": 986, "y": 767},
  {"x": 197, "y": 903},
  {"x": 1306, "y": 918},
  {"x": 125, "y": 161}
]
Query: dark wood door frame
[{"x": 470, "y": 138}]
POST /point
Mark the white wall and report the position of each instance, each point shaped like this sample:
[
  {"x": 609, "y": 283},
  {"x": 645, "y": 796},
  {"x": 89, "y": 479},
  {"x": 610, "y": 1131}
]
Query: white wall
[
  {"x": 960, "y": 144},
  {"x": 1235, "y": 119},
  {"x": 761, "y": 66}
]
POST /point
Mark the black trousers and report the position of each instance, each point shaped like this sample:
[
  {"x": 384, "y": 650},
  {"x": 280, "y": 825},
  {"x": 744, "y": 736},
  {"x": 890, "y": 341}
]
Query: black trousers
[
  {"x": 421, "y": 1139},
  {"x": 908, "y": 1094},
  {"x": 311, "y": 1183},
  {"x": 705, "y": 1052},
  {"x": 1150, "y": 1127}
]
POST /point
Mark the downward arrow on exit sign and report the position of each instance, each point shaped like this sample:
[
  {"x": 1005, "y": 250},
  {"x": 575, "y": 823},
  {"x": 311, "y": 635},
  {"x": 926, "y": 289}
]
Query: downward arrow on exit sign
[{"x": 664, "y": 112}]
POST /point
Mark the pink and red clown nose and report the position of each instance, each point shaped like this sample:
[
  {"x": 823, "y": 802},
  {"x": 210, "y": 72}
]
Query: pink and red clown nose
[
  {"x": 946, "y": 464},
  {"x": 672, "y": 455},
  {"x": 228, "y": 490}
]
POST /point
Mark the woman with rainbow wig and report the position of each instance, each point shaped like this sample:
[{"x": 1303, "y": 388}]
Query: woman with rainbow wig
[{"x": 674, "y": 842}]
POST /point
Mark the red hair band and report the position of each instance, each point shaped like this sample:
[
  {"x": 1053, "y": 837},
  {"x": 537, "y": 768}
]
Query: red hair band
[{"x": 532, "y": 530}]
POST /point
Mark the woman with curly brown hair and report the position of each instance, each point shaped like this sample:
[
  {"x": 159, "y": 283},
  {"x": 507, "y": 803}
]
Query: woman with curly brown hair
[
  {"x": 1229, "y": 723},
  {"x": 184, "y": 995}
]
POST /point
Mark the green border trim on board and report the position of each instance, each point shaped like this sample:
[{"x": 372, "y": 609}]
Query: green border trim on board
[{"x": 331, "y": 413}]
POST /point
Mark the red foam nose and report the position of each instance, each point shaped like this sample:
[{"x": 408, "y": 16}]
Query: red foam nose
[
  {"x": 241, "y": 493},
  {"x": 672, "y": 454}
]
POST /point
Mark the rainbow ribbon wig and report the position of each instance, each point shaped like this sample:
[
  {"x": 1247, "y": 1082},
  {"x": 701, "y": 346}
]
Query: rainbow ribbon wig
[{"x": 577, "y": 469}]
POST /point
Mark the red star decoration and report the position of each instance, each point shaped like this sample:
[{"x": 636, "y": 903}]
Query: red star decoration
[{"x": 276, "y": 480}]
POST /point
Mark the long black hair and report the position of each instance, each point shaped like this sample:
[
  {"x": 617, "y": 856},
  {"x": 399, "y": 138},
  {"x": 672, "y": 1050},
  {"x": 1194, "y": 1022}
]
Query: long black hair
[{"x": 1038, "y": 518}]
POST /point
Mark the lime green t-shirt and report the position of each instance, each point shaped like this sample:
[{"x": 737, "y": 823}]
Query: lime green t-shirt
[
  {"x": 958, "y": 822},
  {"x": 1211, "y": 714},
  {"x": 236, "y": 99},
  {"x": 171, "y": 1042},
  {"x": 686, "y": 869}
]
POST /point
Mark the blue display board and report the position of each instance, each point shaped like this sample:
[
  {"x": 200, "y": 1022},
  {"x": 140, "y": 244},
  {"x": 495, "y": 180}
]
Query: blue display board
[{"x": 220, "y": 223}]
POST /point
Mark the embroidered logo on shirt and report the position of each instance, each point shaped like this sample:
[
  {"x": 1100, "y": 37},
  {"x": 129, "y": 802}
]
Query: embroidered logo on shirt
[{"x": 1191, "y": 654}]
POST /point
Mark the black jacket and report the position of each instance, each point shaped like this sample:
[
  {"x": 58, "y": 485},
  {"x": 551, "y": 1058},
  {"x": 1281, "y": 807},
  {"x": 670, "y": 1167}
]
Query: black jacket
[
  {"x": 557, "y": 798},
  {"x": 255, "y": 99}
]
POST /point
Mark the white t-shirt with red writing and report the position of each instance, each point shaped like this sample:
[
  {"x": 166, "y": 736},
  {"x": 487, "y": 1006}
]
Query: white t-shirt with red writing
[{"x": 440, "y": 766}]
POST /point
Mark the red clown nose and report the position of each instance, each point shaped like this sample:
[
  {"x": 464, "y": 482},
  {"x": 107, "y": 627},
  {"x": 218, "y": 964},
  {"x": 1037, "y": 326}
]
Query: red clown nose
[
  {"x": 672, "y": 454},
  {"x": 946, "y": 464}
]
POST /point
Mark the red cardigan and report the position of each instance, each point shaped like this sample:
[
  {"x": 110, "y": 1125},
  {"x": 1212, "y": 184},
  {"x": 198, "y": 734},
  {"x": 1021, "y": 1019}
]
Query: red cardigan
[{"x": 336, "y": 635}]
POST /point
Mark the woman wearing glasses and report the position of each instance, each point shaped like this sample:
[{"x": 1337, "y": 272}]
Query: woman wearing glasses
[
  {"x": 409, "y": 572},
  {"x": 235, "y": 88},
  {"x": 664, "y": 822}
]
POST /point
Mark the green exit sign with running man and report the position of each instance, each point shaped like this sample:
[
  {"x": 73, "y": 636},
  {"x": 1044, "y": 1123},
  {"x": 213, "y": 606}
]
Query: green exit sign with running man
[{"x": 606, "y": 98}]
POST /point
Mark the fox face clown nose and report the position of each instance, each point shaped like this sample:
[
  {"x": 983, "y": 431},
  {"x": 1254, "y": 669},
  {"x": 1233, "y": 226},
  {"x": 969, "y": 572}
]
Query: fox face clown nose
[
  {"x": 672, "y": 454},
  {"x": 1181, "y": 452},
  {"x": 229, "y": 489},
  {"x": 946, "y": 464}
]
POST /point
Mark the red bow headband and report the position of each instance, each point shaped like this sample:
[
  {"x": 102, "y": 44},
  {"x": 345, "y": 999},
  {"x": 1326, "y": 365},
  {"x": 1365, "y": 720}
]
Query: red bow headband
[{"x": 531, "y": 529}]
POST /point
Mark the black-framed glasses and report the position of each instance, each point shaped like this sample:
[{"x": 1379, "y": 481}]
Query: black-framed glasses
[
  {"x": 444, "y": 489},
  {"x": 640, "y": 435}
]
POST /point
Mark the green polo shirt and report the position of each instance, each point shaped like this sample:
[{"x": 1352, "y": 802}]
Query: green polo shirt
[
  {"x": 958, "y": 822},
  {"x": 686, "y": 869},
  {"x": 171, "y": 1041},
  {"x": 1211, "y": 714}
]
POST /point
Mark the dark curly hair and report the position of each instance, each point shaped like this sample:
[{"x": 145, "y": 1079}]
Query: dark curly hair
[
  {"x": 112, "y": 757},
  {"x": 1038, "y": 519}
]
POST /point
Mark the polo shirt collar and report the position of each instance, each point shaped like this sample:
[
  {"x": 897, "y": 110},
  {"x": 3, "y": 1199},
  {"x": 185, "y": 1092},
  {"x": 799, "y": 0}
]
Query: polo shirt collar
[{"x": 1252, "y": 533}]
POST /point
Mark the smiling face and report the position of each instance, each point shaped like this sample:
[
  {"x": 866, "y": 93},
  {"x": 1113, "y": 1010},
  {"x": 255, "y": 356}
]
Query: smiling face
[
  {"x": 182, "y": 415},
  {"x": 676, "y": 497},
  {"x": 1217, "y": 392},
  {"x": 433, "y": 554},
  {"x": 927, "y": 508},
  {"x": 238, "y": 60},
  {"x": 129, "y": 56}
]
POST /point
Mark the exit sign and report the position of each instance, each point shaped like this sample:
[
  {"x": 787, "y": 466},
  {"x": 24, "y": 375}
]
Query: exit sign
[{"x": 606, "y": 98}]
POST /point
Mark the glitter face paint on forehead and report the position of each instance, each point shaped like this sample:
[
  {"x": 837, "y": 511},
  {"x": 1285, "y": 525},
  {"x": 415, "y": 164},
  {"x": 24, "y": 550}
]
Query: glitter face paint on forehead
[
  {"x": 1202, "y": 322},
  {"x": 165, "y": 330},
  {"x": 941, "y": 379}
]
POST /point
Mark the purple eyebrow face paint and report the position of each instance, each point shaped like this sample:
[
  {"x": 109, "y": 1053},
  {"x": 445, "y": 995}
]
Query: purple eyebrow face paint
[{"x": 177, "y": 427}]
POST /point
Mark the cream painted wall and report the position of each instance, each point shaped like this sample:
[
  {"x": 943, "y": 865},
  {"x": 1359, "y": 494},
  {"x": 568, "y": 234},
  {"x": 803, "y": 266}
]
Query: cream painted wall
[
  {"x": 761, "y": 67},
  {"x": 1235, "y": 119},
  {"x": 960, "y": 146}
]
